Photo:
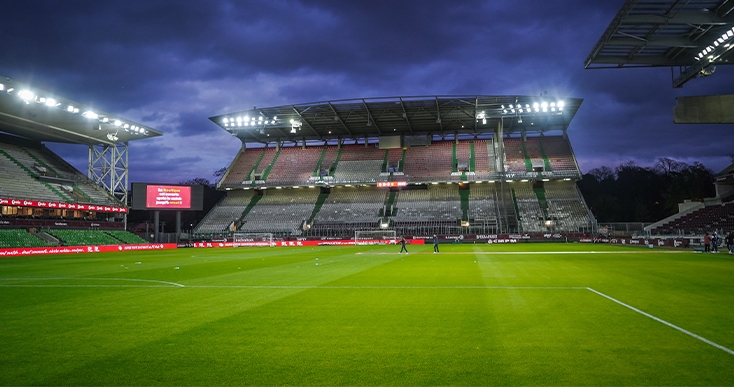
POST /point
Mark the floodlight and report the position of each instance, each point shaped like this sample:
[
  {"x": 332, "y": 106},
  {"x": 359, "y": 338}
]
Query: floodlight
[
  {"x": 118, "y": 122},
  {"x": 50, "y": 102},
  {"x": 90, "y": 114},
  {"x": 2, "y": 87},
  {"x": 26, "y": 95},
  {"x": 484, "y": 121}
]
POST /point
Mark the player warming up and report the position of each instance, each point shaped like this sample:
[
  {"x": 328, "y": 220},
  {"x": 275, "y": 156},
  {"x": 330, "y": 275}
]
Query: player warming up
[
  {"x": 435, "y": 244},
  {"x": 402, "y": 245}
]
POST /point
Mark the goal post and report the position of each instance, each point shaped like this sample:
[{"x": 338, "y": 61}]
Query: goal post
[
  {"x": 242, "y": 239},
  {"x": 375, "y": 237}
]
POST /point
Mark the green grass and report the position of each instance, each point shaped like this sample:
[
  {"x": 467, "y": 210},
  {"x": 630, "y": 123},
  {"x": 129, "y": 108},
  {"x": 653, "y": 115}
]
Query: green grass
[{"x": 473, "y": 315}]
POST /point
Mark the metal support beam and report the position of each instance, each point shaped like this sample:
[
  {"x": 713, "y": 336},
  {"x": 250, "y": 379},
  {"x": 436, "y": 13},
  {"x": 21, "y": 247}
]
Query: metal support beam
[{"x": 108, "y": 168}]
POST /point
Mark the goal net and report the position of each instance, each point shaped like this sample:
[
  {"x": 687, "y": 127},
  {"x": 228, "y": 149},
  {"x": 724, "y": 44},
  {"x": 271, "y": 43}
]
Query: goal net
[
  {"x": 375, "y": 237},
  {"x": 241, "y": 239}
]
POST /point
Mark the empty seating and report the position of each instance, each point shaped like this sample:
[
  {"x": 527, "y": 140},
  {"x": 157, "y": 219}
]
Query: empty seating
[
  {"x": 431, "y": 163},
  {"x": 227, "y": 212},
  {"x": 560, "y": 156},
  {"x": 530, "y": 214},
  {"x": 566, "y": 207},
  {"x": 10, "y": 238},
  {"x": 281, "y": 211},
  {"x": 706, "y": 219},
  {"x": 294, "y": 166}
]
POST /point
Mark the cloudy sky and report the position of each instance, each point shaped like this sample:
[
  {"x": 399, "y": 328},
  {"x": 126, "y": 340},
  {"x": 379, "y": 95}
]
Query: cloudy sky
[{"x": 172, "y": 64}]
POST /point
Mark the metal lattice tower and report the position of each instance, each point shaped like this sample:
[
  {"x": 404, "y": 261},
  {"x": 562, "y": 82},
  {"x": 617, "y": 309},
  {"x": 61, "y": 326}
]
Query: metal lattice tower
[{"x": 108, "y": 167}]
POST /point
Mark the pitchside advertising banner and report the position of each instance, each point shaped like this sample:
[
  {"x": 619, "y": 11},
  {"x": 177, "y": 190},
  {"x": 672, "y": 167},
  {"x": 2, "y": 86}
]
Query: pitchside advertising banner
[
  {"x": 29, "y": 251},
  {"x": 60, "y": 205},
  {"x": 647, "y": 242},
  {"x": 415, "y": 240}
]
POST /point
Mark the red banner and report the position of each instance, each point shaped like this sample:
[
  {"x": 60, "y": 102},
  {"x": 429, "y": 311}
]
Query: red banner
[
  {"x": 60, "y": 205},
  {"x": 338, "y": 242},
  {"x": 28, "y": 251}
]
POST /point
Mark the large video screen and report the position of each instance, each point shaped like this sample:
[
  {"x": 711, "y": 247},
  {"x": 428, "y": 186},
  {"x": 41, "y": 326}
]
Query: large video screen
[{"x": 148, "y": 196}]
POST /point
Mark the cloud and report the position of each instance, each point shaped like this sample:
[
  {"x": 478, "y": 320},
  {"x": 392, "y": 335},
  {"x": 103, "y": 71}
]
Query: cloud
[{"x": 172, "y": 65}]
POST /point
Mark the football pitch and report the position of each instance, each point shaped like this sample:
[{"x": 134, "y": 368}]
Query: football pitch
[{"x": 473, "y": 315}]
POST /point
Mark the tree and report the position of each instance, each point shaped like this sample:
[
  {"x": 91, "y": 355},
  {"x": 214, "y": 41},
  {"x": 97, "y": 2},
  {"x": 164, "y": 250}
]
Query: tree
[
  {"x": 644, "y": 194},
  {"x": 667, "y": 166},
  {"x": 198, "y": 181},
  {"x": 602, "y": 173}
]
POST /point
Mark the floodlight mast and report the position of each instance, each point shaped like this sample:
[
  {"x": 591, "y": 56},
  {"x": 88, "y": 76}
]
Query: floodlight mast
[{"x": 108, "y": 168}]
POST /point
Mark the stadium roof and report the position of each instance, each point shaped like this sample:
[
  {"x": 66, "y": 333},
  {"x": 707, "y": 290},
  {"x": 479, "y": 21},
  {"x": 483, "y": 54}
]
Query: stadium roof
[
  {"x": 690, "y": 36},
  {"x": 390, "y": 116},
  {"x": 42, "y": 116}
]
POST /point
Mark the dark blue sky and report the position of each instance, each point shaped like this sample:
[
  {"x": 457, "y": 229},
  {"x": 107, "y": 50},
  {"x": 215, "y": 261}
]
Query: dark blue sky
[{"x": 172, "y": 64}]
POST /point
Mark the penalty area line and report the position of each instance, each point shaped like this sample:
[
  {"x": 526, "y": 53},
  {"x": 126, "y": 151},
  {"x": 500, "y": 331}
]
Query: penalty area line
[{"x": 687, "y": 332}]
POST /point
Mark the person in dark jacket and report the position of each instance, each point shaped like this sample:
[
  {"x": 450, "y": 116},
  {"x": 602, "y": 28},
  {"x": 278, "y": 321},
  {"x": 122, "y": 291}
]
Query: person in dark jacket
[
  {"x": 435, "y": 244},
  {"x": 402, "y": 245},
  {"x": 706, "y": 243}
]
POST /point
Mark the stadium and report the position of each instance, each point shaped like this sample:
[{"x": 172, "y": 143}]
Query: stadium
[{"x": 296, "y": 276}]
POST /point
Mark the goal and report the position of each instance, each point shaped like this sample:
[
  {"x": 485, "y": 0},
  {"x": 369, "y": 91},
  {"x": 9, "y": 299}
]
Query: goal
[
  {"x": 375, "y": 237},
  {"x": 241, "y": 239}
]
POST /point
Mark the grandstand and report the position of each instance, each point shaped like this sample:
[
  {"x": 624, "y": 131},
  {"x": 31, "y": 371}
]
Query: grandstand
[
  {"x": 44, "y": 200},
  {"x": 419, "y": 165}
]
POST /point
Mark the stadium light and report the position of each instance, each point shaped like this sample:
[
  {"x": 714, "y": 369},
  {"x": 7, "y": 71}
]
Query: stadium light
[
  {"x": 2, "y": 87},
  {"x": 26, "y": 95},
  {"x": 90, "y": 114}
]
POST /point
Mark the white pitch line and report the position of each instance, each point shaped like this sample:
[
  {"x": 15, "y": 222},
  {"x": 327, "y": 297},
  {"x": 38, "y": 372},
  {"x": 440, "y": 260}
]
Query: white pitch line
[
  {"x": 689, "y": 333},
  {"x": 87, "y": 279},
  {"x": 379, "y": 287},
  {"x": 531, "y": 252},
  {"x": 83, "y": 286}
]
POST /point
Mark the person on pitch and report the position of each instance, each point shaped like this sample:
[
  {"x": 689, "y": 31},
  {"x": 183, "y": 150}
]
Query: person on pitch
[
  {"x": 402, "y": 245},
  {"x": 435, "y": 244}
]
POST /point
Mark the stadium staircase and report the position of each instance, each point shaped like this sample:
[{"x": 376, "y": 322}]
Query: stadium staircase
[
  {"x": 464, "y": 193},
  {"x": 253, "y": 202},
  {"x": 542, "y": 201},
  {"x": 516, "y": 208},
  {"x": 528, "y": 163},
  {"x": 317, "y": 171},
  {"x": 385, "y": 163},
  {"x": 472, "y": 161},
  {"x": 332, "y": 169},
  {"x": 317, "y": 207},
  {"x": 546, "y": 161},
  {"x": 251, "y": 174},
  {"x": 270, "y": 166},
  {"x": 401, "y": 165},
  {"x": 389, "y": 209},
  {"x": 454, "y": 159}
]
